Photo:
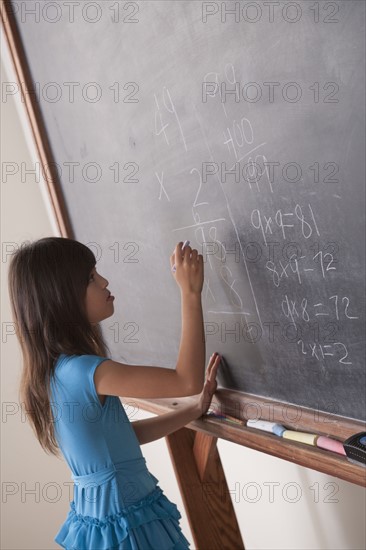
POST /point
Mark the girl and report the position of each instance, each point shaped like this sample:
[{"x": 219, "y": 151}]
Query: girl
[{"x": 70, "y": 390}]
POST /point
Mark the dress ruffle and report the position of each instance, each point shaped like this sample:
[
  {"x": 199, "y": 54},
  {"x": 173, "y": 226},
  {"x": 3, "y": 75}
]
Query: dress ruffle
[{"x": 125, "y": 530}]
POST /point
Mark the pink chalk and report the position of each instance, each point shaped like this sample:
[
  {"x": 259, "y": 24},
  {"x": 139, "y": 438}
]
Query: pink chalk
[{"x": 330, "y": 445}]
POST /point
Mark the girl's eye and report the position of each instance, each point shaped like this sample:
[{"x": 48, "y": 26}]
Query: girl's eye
[{"x": 91, "y": 277}]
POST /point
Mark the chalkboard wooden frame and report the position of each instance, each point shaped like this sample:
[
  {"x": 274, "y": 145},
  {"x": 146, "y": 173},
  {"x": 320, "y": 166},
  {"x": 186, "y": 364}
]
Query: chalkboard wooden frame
[
  {"x": 197, "y": 443},
  {"x": 295, "y": 417},
  {"x": 35, "y": 118}
]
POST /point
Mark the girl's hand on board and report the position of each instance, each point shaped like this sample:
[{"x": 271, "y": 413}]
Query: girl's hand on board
[
  {"x": 189, "y": 269},
  {"x": 210, "y": 385}
]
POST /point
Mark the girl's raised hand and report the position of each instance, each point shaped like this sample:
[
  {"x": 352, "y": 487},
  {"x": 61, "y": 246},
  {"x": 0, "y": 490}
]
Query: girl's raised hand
[
  {"x": 210, "y": 385},
  {"x": 189, "y": 269}
]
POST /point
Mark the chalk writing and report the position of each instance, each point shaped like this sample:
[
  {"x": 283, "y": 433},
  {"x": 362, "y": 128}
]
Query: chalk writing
[
  {"x": 318, "y": 351},
  {"x": 167, "y": 107},
  {"x": 337, "y": 306},
  {"x": 269, "y": 225}
]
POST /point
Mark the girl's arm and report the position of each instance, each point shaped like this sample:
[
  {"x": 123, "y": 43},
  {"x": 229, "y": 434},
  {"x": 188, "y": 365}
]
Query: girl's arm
[
  {"x": 192, "y": 350},
  {"x": 190, "y": 366},
  {"x": 150, "y": 429}
]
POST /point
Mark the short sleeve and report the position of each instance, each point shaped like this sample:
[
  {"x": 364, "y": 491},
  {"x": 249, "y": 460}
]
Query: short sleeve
[
  {"x": 93, "y": 364},
  {"x": 76, "y": 375}
]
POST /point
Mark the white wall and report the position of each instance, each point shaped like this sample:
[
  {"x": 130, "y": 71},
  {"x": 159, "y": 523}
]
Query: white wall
[{"x": 278, "y": 504}]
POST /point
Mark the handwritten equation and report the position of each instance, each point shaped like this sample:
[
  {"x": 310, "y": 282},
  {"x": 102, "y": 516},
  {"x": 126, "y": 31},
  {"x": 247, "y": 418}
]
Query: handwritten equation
[{"x": 299, "y": 222}]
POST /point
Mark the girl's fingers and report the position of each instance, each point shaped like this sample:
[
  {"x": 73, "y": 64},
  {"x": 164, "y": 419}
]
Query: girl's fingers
[
  {"x": 178, "y": 247},
  {"x": 210, "y": 364},
  {"x": 186, "y": 252},
  {"x": 174, "y": 255},
  {"x": 213, "y": 366},
  {"x": 214, "y": 370},
  {"x": 178, "y": 253}
]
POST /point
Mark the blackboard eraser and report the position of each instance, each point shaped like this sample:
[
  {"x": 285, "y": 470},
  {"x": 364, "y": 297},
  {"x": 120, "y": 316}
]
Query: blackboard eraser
[{"x": 355, "y": 447}]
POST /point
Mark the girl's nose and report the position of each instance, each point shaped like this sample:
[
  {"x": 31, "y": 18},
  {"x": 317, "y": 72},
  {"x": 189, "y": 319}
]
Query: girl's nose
[{"x": 105, "y": 281}]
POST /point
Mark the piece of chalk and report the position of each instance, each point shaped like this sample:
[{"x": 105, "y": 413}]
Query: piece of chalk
[
  {"x": 330, "y": 445},
  {"x": 301, "y": 437},
  {"x": 186, "y": 243},
  {"x": 278, "y": 430},
  {"x": 227, "y": 417},
  {"x": 266, "y": 426},
  {"x": 215, "y": 414},
  {"x": 237, "y": 420}
]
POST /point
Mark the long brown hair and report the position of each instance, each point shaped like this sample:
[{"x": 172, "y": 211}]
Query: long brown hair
[{"x": 47, "y": 285}]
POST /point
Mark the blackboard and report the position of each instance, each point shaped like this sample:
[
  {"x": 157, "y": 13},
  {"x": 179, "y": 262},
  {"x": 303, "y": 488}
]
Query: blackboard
[{"x": 241, "y": 131}]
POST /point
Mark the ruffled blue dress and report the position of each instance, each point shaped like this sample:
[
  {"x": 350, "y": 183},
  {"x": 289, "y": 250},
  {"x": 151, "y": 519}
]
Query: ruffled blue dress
[{"x": 117, "y": 503}]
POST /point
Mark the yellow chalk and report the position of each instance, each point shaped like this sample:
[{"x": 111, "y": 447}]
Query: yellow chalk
[{"x": 302, "y": 437}]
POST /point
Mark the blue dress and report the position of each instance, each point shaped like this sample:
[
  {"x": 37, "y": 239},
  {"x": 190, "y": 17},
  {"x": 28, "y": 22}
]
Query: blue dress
[{"x": 117, "y": 503}]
